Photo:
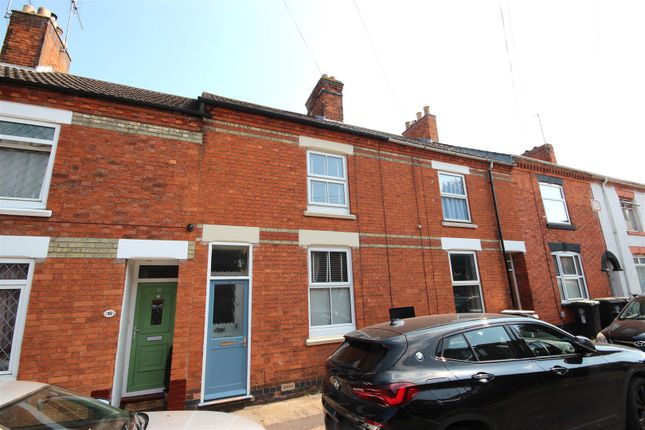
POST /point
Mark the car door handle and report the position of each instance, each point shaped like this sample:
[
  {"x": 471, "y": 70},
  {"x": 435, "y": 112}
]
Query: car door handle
[
  {"x": 559, "y": 370},
  {"x": 483, "y": 377}
]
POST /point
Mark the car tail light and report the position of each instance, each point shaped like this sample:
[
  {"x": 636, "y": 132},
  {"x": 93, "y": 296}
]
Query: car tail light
[{"x": 387, "y": 395}]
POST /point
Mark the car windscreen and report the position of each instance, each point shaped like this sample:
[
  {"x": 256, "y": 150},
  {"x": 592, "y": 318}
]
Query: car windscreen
[
  {"x": 633, "y": 311},
  {"x": 56, "y": 408},
  {"x": 365, "y": 356}
]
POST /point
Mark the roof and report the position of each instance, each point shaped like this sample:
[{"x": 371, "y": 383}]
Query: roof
[
  {"x": 79, "y": 85},
  {"x": 13, "y": 390},
  {"x": 216, "y": 100}
]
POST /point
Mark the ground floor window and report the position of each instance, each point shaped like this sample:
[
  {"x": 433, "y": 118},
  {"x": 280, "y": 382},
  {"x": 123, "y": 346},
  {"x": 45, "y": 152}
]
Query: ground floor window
[
  {"x": 639, "y": 261},
  {"x": 466, "y": 286},
  {"x": 571, "y": 278},
  {"x": 331, "y": 302},
  {"x": 15, "y": 282}
]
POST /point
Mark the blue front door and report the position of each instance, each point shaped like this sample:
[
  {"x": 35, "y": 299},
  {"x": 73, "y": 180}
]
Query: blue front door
[{"x": 226, "y": 345}]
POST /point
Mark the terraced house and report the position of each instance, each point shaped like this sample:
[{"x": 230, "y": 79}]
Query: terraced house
[{"x": 216, "y": 250}]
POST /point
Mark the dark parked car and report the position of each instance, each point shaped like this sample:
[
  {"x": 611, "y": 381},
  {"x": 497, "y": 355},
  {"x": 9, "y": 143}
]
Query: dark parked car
[
  {"x": 629, "y": 326},
  {"x": 481, "y": 372}
]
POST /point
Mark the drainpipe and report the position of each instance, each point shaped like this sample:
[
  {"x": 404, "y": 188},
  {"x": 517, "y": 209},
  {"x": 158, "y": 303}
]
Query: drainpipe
[
  {"x": 515, "y": 297},
  {"x": 614, "y": 230}
]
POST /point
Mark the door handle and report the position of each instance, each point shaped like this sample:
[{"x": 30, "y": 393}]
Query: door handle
[
  {"x": 483, "y": 377},
  {"x": 243, "y": 342},
  {"x": 559, "y": 370}
]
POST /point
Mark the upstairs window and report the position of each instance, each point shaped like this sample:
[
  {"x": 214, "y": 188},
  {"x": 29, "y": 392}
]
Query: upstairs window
[
  {"x": 555, "y": 205},
  {"x": 327, "y": 183},
  {"x": 571, "y": 278},
  {"x": 630, "y": 212},
  {"x": 454, "y": 199},
  {"x": 26, "y": 161}
]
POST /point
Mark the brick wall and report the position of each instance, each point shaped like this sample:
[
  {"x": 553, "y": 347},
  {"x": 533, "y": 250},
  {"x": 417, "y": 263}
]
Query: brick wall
[{"x": 133, "y": 172}]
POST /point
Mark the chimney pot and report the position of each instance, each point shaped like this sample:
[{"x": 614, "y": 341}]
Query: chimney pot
[
  {"x": 43, "y": 11},
  {"x": 407, "y": 125},
  {"x": 426, "y": 110},
  {"x": 419, "y": 115},
  {"x": 28, "y": 8}
]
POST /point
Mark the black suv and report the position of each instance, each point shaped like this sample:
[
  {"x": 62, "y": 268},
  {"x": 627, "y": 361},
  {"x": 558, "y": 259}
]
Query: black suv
[{"x": 481, "y": 372}]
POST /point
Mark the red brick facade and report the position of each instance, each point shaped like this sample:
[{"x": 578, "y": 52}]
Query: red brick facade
[{"x": 111, "y": 183}]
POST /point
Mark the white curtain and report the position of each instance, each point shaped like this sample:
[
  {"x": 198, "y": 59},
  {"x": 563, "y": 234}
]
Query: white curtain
[{"x": 22, "y": 172}]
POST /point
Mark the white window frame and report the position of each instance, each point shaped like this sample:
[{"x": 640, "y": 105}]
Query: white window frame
[
  {"x": 467, "y": 283},
  {"x": 455, "y": 196},
  {"x": 639, "y": 263},
  {"x": 24, "y": 285},
  {"x": 313, "y": 206},
  {"x": 563, "y": 201},
  {"x": 333, "y": 329},
  {"x": 579, "y": 276},
  {"x": 18, "y": 142},
  {"x": 627, "y": 205}
]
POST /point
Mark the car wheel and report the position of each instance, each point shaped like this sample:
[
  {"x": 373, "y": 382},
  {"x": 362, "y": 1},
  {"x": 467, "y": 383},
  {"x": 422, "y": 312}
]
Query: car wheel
[{"x": 636, "y": 405}]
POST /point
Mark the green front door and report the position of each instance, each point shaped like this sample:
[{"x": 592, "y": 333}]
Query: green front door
[{"x": 154, "y": 321}]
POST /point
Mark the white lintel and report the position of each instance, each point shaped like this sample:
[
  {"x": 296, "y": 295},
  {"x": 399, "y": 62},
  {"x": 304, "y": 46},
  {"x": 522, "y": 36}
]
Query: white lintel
[
  {"x": 449, "y": 167},
  {"x": 230, "y": 233},
  {"x": 152, "y": 249},
  {"x": 24, "y": 246},
  {"x": 457, "y": 243},
  {"x": 38, "y": 113}
]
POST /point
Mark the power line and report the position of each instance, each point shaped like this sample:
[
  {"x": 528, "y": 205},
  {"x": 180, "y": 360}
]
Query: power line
[
  {"x": 378, "y": 59},
  {"x": 301, "y": 35},
  {"x": 508, "y": 55}
]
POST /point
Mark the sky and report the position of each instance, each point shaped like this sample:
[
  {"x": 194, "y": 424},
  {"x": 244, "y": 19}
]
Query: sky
[{"x": 490, "y": 70}]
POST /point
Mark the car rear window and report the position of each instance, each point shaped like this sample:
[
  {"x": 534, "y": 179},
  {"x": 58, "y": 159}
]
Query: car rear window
[{"x": 359, "y": 355}]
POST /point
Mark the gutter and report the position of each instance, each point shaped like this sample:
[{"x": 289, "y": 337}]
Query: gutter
[{"x": 515, "y": 295}]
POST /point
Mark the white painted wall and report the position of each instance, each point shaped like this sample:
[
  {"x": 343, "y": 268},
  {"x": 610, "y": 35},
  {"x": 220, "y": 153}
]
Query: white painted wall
[{"x": 617, "y": 240}]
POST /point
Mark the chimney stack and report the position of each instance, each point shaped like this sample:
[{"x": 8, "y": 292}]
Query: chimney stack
[
  {"x": 326, "y": 100},
  {"x": 34, "y": 40},
  {"x": 543, "y": 152},
  {"x": 424, "y": 127}
]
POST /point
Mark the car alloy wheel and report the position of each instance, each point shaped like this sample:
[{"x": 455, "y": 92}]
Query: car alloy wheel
[{"x": 636, "y": 404}]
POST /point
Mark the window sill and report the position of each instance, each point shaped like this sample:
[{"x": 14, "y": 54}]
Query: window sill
[
  {"x": 459, "y": 224},
  {"x": 330, "y": 215},
  {"x": 324, "y": 340},
  {"x": 636, "y": 233},
  {"x": 560, "y": 226},
  {"x": 42, "y": 213}
]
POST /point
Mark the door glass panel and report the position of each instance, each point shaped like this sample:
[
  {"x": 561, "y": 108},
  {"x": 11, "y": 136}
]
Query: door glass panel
[
  {"x": 158, "y": 272},
  {"x": 228, "y": 310},
  {"x": 156, "y": 315},
  {"x": 230, "y": 261}
]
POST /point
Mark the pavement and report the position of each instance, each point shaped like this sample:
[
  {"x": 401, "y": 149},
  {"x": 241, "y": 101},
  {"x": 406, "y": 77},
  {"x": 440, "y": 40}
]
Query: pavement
[{"x": 300, "y": 413}]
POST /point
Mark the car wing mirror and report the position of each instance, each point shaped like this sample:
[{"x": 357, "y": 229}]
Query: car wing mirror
[
  {"x": 584, "y": 345},
  {"x": 104, "y": 401}
]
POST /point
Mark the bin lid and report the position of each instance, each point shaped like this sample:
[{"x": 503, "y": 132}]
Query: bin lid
[{"x": 586, "y": 302}]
